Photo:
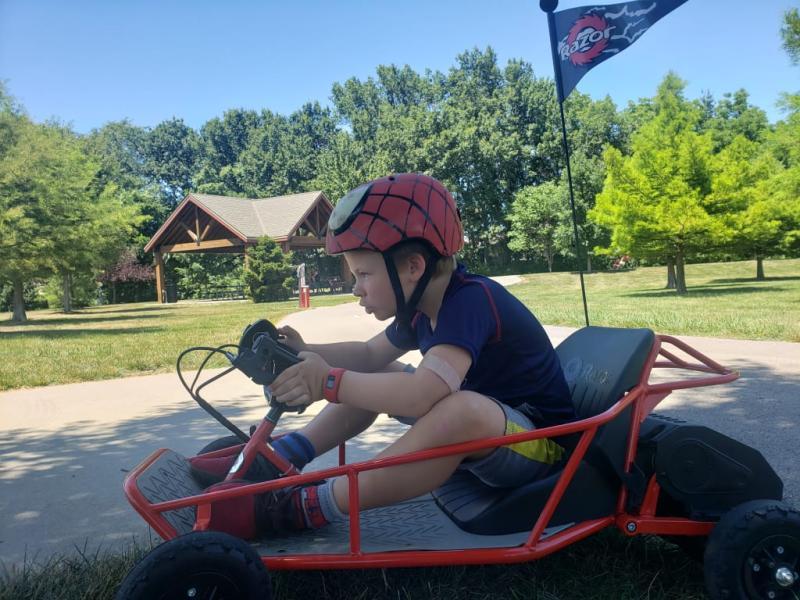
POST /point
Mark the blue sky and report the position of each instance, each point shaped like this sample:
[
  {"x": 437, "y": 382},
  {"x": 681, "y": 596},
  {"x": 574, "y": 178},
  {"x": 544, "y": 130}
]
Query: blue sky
[{"x": 90, "y": 62}]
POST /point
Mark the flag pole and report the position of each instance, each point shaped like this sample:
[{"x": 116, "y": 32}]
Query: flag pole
[{"x": 549, "y": 6}]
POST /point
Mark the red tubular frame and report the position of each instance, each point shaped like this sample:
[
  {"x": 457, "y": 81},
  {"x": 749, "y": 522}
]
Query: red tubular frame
[{"x": 644, "y": 397}]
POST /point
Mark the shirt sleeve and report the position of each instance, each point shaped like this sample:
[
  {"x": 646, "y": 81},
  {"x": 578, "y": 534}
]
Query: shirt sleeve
[
  {"x": 401, "y": 337},
  {"x": 467, "y": 320}
]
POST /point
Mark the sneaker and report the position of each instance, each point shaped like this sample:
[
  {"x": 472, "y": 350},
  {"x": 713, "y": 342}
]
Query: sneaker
[
  {"x": 256, "y": 515},
  {"x": 210, "y": 470}
]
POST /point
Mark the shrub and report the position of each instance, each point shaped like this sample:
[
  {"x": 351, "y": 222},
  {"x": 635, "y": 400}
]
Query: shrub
[{"x": 269, "y": 273}]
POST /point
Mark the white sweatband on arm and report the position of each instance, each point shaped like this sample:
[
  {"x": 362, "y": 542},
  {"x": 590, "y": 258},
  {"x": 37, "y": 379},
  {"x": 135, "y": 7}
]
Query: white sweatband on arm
[{"x": 443, "y": 370}]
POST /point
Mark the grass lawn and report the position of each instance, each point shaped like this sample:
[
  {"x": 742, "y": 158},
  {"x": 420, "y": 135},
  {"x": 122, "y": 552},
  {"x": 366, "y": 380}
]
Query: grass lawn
[
  {"x": 125, "y": 339},
  {"x": 724, "y": 300},
  {"x": 605, "y": 566}
]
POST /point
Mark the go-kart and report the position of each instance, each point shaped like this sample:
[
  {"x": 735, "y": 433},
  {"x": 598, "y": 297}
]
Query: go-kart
[{"x": 625, "y": 467}]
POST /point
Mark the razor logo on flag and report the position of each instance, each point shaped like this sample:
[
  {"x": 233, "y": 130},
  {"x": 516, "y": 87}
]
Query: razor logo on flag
[{"x": 586, "y": 36}]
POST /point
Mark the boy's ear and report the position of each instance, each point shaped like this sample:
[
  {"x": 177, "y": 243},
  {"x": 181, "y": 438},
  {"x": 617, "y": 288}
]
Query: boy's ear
[{"x": 415, "y": 263}]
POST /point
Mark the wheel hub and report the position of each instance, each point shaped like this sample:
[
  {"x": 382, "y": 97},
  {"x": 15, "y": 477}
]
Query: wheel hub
[
  {"x": 785, "y": 577},
  {"x": 770, "y": 570}
]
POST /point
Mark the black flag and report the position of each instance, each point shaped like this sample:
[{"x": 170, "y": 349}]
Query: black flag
[{"x": 586, "y": 36}]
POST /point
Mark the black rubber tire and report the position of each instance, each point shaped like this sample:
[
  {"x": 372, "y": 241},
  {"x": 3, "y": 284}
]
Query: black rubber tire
[
  {"x": 765, "y": 533},
  {"x": 214, "y": 564},
  {"x": 219, "y": 444}
]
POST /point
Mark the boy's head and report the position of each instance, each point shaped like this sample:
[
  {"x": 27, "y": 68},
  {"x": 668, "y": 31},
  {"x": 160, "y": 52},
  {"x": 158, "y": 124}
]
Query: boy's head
[{"x": 408, "y": 220}]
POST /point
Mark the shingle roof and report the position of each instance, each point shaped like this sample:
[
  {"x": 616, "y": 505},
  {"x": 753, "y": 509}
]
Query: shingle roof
[
  {"x": 248, "y": 218},
  {"x": 275, "y": 217}
]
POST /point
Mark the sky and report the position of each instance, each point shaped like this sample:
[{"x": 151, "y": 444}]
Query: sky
[{"x": 90, "y": 62}]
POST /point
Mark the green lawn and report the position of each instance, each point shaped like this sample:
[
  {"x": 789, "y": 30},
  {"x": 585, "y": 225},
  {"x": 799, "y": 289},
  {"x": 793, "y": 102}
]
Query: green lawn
[
  {"x": 724, "y": 300},
  {"x": 126, "y": 339}
]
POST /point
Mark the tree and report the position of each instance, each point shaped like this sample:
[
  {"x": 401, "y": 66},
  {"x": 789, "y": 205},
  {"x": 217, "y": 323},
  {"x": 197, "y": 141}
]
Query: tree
[
  {"x": 171, "y": 153},
  {"x": 57, "y": 215},
  {"x": 790, "y": 32},
  {"x": 540, "y": 221},
  {"x": 654, "y": 201},
  {"x": 126, "y": 269},
  {"x": 90, "y": 223},
  {"x": 742, "y": 196},
  {"x": 268, "y": 274},
  {"x": 222, "y": 142},
  {"x": 735, "y": 116},
  {"x": 24, "y": 252}
]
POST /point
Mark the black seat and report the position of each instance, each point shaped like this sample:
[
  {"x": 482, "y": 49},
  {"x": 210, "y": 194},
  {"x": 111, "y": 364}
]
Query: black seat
[{"x": 600, "y": 365}]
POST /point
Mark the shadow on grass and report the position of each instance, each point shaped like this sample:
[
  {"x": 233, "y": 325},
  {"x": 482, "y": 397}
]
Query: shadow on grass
[
  {"x": 64, "y": 334},
  {"x": 754, "y": 280},
  {"x": 88, "y": 320},
  {"x": 703, "y": 291},
  {"x": 109, "y": 309}
]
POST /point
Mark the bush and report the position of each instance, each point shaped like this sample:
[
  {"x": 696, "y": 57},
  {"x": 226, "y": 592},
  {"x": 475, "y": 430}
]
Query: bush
[
  {"x": 195, "y": 274},
  {"x": 85, "y": 289},
  {"x": 269, "y": 273}
]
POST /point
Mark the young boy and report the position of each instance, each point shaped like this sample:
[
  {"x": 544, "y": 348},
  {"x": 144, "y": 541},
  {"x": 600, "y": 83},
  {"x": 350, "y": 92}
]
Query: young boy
[{"x": 488, "y": 368}]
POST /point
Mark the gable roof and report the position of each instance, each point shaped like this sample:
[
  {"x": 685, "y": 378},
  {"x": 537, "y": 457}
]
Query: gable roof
[{"x": 250, "y": 218}]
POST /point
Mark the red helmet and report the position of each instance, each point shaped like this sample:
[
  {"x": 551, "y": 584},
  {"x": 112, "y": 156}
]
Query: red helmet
[{"x": 384, "y": 212}]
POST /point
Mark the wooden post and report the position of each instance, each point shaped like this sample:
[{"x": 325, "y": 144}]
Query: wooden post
[
  {"x": 159, "y": 261},
  {"x": 197, "y": 225},
  {"x": 347, "y": 276}
]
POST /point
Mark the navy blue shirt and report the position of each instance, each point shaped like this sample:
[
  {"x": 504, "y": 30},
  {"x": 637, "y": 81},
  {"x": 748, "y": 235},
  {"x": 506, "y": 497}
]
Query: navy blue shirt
[{"x": 513, "y": 360}]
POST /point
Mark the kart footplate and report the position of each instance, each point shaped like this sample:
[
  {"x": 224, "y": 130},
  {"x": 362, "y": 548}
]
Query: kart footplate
[
  {"x": 169, "y": 478},
  {"x": 417, "y": 524}
]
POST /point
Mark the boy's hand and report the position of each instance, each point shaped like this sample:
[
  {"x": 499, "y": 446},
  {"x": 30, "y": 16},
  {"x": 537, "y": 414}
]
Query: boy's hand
[
  {"x": 301, "y": 384},
  {"x": 292, "y": 339}
]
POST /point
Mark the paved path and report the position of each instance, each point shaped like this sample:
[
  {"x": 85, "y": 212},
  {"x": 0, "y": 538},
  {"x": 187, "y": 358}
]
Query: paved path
[{"x": 65, "y": 449}]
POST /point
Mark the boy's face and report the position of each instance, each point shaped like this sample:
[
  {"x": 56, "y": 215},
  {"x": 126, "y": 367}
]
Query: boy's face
[{"x": 372, "y": 285}]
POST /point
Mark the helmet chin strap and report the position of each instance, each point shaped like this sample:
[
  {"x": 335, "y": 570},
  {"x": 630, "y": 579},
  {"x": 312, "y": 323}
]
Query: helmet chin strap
[{"x": 406, "y": 310}]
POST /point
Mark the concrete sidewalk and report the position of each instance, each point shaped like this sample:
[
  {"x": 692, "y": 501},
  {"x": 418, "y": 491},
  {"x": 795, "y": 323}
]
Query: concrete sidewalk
[{"x": 66, "y": 449}]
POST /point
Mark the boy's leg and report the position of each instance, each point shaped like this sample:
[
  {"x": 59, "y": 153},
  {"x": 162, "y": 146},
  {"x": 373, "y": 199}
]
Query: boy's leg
[
  {"x": 460, "y": 417},
  {"x": 335, "y": 424}
]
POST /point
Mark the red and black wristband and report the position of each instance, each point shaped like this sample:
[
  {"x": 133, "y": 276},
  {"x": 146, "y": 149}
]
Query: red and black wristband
[{"x": 330, "y": 390}]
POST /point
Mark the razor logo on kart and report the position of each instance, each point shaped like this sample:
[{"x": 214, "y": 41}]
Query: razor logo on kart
[{"x": 576, "y": 370}]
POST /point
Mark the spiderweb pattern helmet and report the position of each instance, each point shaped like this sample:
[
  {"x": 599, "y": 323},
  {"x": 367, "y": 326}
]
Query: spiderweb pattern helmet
[{"x": 383, "y": 213}]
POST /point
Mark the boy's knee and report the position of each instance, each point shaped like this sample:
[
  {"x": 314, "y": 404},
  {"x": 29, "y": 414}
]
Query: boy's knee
[{"x": 473, "y": 411}]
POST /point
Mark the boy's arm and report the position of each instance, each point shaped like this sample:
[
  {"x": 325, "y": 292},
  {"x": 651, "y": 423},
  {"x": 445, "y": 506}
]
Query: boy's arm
[
  {"x": 401, "y": 394},
  {"x": 404, "y": 394},
  {"x": 367, "y": 357}
]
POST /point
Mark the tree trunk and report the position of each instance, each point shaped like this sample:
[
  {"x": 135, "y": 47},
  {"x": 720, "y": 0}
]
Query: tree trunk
[
  {"x": 19, "y": 315},
  {"x": 113, "y": 292},
  {"x": 760, "y": 267},
  {"x": 670, "y": 274},
  {"x": 67, "y": 291},
  {"x": 680, "y": 274},
  {"x": 549, "y": 257}
]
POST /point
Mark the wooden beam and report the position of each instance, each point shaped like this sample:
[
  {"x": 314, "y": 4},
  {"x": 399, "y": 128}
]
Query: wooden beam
[
  {"x": 160, "y": 284},
  {"x": 193, "y": 247},
  {"x": 305, "y": 242},
  {"x": 189, "y": 231},
  {"x": 205, "y": 231}
]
